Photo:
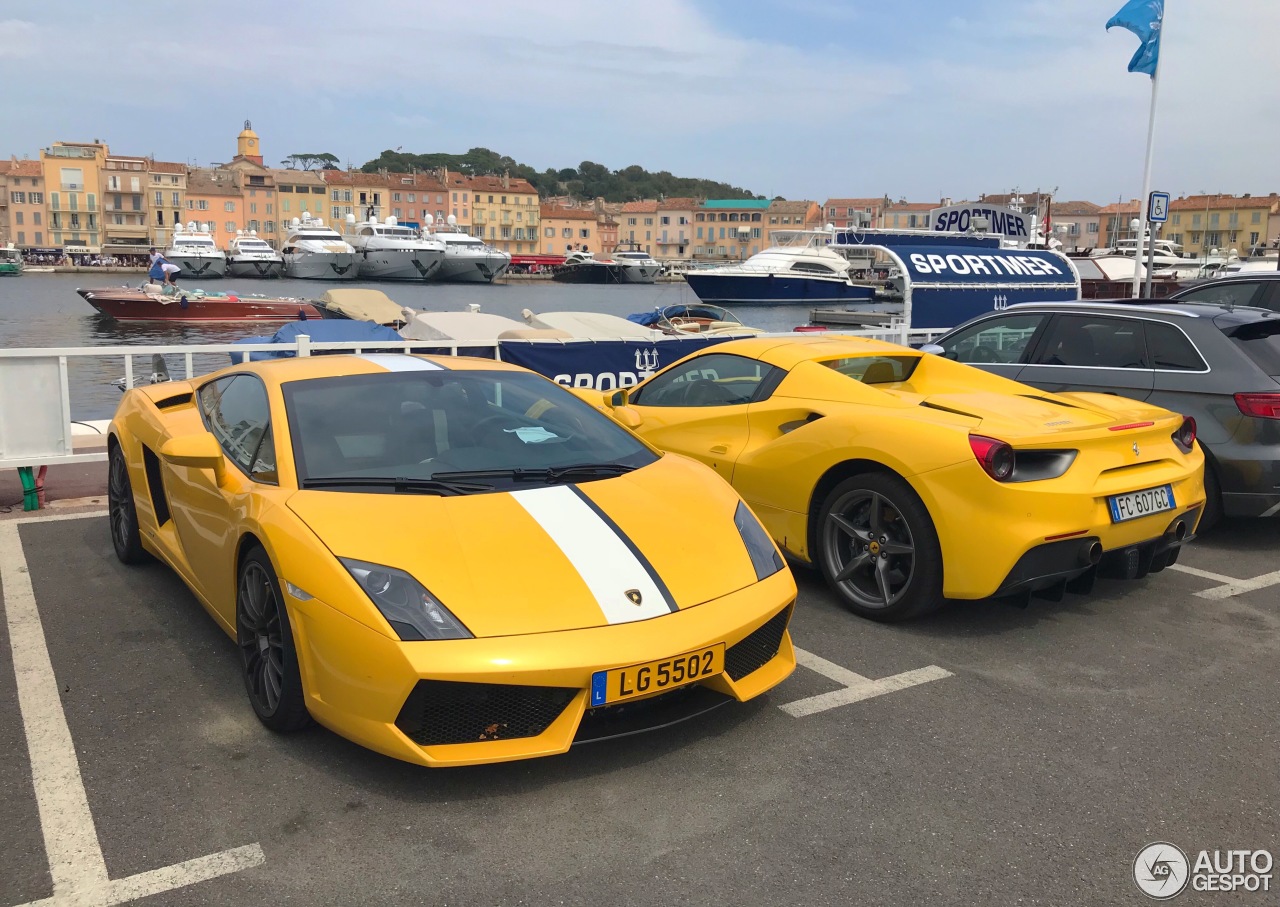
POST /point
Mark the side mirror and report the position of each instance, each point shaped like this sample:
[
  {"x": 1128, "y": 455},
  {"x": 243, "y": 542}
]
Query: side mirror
[
  {"x": 198, "y": 451},
  {"x": 934, "y": 349},
  {"x": 619, "y": 398}
]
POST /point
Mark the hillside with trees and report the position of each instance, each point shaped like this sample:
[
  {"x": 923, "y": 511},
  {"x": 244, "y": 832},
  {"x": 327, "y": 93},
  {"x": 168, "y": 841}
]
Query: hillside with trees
[{"x": 586, "y": 181}]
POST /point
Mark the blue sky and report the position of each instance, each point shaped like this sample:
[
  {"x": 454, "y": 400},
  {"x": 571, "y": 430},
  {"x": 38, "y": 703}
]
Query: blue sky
[{"x": 806, "y": 99}]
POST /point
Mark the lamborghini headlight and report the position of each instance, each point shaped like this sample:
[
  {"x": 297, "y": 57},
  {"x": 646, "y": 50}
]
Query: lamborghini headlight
[
  {"x": 412, "y": 611},
  {"x": 764, "y": 554}
]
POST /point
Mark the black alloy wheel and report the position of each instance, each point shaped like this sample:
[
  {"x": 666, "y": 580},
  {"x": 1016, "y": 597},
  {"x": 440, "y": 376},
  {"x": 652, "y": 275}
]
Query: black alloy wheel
[
  {"x": 270, "y": 663},
  {"x": 878, "y": 549},
  {"x": 121, "y": 512}
]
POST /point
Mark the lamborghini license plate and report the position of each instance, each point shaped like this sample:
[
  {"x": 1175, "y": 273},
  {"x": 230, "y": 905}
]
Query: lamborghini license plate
[
  {"x": 620, "y": 684},
  {"x": 1140, "y": 503}
]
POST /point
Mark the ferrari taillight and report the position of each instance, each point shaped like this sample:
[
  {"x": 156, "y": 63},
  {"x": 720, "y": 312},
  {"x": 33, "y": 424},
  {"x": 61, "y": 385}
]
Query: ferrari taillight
[
  {"x": 1185, "y": 436},
  {"x": 995, "y": 457},
  {"x": 1263, "y": 406}
]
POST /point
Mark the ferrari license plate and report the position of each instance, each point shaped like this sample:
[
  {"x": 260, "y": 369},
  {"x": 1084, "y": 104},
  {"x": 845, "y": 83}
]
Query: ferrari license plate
[
  {"x": 1140, "y": 503},
  {"x": 621, "y": 684}
]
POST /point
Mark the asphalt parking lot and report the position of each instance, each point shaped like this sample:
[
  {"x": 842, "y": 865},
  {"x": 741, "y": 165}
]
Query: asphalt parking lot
[{"x": 985, "y": 755}]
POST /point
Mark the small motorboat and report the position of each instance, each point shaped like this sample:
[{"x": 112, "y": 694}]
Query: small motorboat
[
  {"x": 153, "y": 303},
  {"x": 693, "y": 318}
]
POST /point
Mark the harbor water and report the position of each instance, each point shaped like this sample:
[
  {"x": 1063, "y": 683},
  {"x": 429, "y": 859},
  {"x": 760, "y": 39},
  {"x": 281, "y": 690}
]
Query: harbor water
[{"x": 43, "y": 310}]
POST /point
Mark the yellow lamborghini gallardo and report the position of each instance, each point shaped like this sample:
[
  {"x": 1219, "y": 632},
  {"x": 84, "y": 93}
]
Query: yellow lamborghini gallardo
[
  {"x": 450, "y": 561},
  {"x": 907, "y": 478}
]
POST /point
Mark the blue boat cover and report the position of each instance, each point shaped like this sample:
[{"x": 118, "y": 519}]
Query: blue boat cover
[{"x": 328, "y": 330}]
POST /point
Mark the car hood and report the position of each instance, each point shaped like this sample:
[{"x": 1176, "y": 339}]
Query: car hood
[{"x": 551, "y": 557}]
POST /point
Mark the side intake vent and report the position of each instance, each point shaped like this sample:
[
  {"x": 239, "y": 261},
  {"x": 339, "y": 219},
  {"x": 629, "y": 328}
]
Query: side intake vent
[
  {"x": 155, "y": 485},
  {"x": 175, "y": 400}
]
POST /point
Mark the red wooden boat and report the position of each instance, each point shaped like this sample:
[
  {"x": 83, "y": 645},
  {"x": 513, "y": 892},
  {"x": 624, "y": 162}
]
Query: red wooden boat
[{"x": 129, "y": 304}]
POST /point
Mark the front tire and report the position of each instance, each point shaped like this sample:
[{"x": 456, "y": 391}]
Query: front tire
[
  {"x": 267, "y": 654},
  {"x": 121, "y": 511},
  {"x": 878, "y": 549}
]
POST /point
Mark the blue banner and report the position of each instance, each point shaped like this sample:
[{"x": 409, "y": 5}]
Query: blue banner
[
  {"x": 604, "y": 364},
  {"x": 947, "y": 307},
  {"x": 1006, "y": 267}
]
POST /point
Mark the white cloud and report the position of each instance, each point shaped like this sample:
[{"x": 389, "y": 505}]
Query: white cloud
[{"x": 18, "y": 39}]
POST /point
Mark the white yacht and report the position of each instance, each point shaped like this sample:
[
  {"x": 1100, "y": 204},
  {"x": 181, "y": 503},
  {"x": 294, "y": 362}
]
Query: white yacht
[
  {"x": 193, "y": 250},
  {"x": 249, "y": 256},
  {"x": 388, "y": 251},
  {"x": 1166, "y": 256},
  {"x": 802, "y": 269},
  {"x": 313, "y": 251},
  {"x": 466, "y": 258},
  {"x": 635, "y": 264}
]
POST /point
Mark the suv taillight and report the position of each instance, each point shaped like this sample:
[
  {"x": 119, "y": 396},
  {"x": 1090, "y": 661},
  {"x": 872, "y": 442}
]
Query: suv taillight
[
  {"x": 1185, "y": 436},
  {"x": 995, "y": 457},
  {"x": 1263, "y": 406}
]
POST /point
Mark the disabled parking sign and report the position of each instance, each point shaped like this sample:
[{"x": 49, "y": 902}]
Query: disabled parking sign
[{"x": 1158, "y": 207}]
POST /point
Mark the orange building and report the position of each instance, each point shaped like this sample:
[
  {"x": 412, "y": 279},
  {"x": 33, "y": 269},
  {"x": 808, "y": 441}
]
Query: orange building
[
  {"x": 638, "y": 223},
  {"x": 567, "y": 229},
  {"x": 674, "y": 229},
  {"x": 844, "y": 213},
  {"x": 214, "y": 197},
  {"x": 22, "y": 204}
]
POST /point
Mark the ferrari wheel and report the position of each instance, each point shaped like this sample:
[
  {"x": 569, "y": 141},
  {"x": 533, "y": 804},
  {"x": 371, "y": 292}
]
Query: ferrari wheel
[
  {"x": 121, "y": 512},
  {"x": 270, "y": 662},
  {"x": 878, "y": 549}
]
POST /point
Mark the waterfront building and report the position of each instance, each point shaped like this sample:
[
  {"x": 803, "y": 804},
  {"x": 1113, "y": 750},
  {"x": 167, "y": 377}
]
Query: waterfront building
[
  {"x": 299, "y": 193},
  {"x": 846, "y": 213},
  {"x": 1202, "y": 223},
  {"x": 72, "y": 176},
  {"x": 729, "y": 228},
  {"x": 168, "y": 193},
  {"x": 783, "y": 215},
  {"x": 905, "y": 215},
  {"x": 213, "y": 195},
  {"x": 22, "y": 204},
  {"x": 637, "y": 222},
  {"x": 607, "y": 228},
  {"x": 1114, "y": 222},
  {"x": 674, "y": 229},
  {"x": 504, "y": 212},
  {"x": 1076, "y": 224},
  {"x": 123, "y": 185},
  {"x": 460, "y": 198},
  {"x": 566, "y": 229},
  {"x": 417, "y": 196}
]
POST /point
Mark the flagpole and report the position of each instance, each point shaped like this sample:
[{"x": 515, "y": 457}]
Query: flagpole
[{"x": 1146, "y": 182}]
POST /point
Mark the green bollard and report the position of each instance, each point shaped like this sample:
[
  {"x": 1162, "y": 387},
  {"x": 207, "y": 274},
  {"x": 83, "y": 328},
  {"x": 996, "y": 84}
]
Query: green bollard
[{"x": 30, "y": 501}]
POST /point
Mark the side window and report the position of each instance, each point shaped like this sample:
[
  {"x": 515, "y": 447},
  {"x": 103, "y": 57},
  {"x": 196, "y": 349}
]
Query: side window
[
  {"x": 994, "y": 340},
  {"x": 718, "y": 379},
  {"x": 236, "y": 411},
  {"x": 1094, "y": 341},
  {"x": 1169, "y": 349},
  {"x": 1234, "y": 293}
]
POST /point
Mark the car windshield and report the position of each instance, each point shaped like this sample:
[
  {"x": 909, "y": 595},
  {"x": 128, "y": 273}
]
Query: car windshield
[
  {"x": 1260, "y": 341},
  {"x": 875, "y": 369},
  {"x": 494, "y": 428}
]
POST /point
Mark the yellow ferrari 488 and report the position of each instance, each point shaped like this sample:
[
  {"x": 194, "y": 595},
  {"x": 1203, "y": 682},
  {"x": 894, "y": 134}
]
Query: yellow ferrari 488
[
  {"x": 907, "y": 478},
  {"x": 450, "y": 561}
]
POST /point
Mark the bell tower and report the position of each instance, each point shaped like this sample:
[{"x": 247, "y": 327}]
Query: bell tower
[{"x": 247, "y": 144}]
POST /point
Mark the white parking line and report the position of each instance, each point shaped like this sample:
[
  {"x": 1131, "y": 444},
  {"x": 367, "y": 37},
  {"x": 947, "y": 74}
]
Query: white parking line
[
  {"x": 1229, "y": 585},
  {"x": 76, "y": 863},
  {"x": 856, "y": 687}
]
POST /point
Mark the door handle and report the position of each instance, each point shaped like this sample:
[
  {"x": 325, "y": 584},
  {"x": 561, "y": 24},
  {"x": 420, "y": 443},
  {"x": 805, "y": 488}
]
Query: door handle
[{"x": 720, "y": 449}]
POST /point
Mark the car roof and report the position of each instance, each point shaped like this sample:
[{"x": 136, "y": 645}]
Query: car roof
[
  {"x": 1219, "y": 312},
  {"x": 787, "y": 352},
  {"x": 304, "y": 368}
]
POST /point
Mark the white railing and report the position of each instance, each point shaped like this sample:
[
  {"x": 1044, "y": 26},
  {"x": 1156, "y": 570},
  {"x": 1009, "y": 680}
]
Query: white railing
[
  {"x": 36, "y": 423},
  {"x": 36, "y": 420}
]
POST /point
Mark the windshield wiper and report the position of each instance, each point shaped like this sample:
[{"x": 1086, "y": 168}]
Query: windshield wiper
[
  {"x": 546, "y": 474},
  {"x": 398, "y": 485}
]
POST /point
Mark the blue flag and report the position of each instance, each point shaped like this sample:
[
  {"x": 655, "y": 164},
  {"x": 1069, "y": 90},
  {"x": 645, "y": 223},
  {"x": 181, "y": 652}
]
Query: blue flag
[{"x": 1143, "y": 18}]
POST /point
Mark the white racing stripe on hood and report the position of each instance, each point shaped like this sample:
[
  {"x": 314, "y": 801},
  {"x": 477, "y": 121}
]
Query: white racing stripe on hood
[
  {"x": 605, "y": 561},
  {"x": 398, "y": 362}
]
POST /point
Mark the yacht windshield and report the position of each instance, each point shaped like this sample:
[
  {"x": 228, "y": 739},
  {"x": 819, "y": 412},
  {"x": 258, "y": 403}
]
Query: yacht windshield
[{"x": 505, "y": 428}]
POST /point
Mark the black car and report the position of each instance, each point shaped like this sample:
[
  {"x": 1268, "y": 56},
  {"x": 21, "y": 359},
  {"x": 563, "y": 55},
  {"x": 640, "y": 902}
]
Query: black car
[{"x": 1218, "y": 363}]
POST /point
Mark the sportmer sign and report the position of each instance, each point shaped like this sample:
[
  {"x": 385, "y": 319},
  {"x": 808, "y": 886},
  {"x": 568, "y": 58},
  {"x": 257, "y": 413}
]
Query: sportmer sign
[{"x": 960, "y": 219}]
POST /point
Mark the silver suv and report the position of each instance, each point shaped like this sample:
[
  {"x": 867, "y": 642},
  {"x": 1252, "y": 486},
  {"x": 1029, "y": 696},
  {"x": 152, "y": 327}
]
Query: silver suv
[{"x": 1216, "y": 362}]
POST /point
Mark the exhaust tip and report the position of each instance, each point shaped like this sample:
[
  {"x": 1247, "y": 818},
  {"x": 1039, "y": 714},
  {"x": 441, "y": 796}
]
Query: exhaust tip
[
  {"x": 1094, "y": 554},
  {"x": 1180, "y": 530}
]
